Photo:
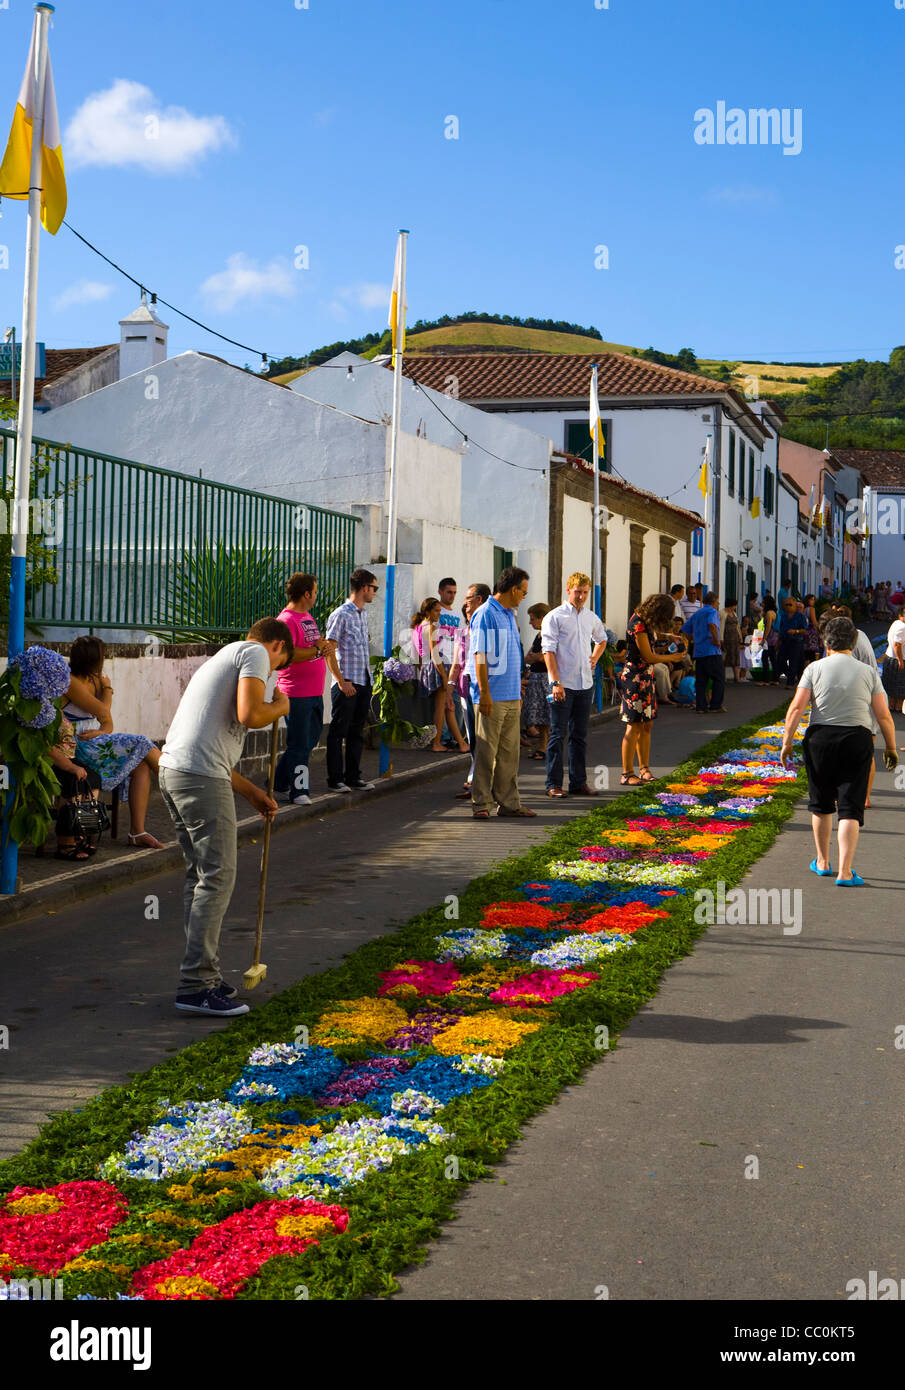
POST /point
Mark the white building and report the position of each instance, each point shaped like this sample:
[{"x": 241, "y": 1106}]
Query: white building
[{"x": 656, "y": 422}]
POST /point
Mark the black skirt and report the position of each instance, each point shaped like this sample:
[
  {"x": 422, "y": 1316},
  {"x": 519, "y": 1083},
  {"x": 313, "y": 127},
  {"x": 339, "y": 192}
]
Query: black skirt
[
  {"x": 893, "y": 679},
  {"x": 838, "y": 759}
]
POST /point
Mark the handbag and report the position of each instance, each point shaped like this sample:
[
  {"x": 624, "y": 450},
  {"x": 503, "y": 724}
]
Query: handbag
[{"x": 83, "y": 818}]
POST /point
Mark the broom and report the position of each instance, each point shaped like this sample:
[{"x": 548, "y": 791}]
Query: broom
[{"x": 257, "y": 972}]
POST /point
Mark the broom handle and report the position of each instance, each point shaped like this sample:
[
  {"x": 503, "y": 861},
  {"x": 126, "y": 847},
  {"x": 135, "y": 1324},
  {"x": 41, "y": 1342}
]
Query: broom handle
[{"x": 265, "y": 856}]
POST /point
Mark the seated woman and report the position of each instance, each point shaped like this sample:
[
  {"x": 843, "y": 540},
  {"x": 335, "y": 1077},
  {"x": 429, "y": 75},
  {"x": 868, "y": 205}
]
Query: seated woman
[
  {"x": 121, "y": 760},
  {"x": 74, "y": 781}
]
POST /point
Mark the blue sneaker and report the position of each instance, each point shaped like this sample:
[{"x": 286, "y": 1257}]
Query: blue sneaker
[
  {"x": 210, "y": 1002},
  {"x": 225, "y": 991}
]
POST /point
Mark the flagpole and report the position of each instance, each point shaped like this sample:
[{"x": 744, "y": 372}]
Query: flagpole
[
  {"x": 19, "y": 528},
  {"x": 399, "y": 336}
]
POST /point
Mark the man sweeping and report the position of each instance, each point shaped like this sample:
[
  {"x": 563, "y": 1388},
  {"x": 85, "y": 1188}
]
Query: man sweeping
[{"x": 225, "y": 697}]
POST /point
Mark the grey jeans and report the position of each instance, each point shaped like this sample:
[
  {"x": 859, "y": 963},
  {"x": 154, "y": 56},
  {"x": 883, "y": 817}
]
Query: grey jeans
[{"x": 204, "y": 814}]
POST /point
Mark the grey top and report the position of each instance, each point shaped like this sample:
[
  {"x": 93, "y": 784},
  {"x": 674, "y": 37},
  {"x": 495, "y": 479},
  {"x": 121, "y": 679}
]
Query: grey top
[
  {"x": 841, "y": 690},
  {"x": 205, "y": 736}
]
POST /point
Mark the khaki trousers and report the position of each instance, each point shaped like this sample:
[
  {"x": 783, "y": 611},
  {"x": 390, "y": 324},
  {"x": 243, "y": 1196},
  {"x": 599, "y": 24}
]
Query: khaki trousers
[{"x": 496, "y": 757}]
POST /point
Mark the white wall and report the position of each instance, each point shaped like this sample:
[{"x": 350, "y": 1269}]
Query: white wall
[
  {"x": 577, "y": 541},
  {"x": 887, "y": 544},
  {"x": 618, "y": 552},
  {"x": 508, "y": 503},
  {"x": 231, "y": 427}
]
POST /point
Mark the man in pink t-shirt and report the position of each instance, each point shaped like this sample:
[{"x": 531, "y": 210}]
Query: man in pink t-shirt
[{"x": 303, "y": 683}]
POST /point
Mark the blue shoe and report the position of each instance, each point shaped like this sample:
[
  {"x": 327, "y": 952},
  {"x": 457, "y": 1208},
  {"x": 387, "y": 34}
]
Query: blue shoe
[
  {"x": 856, "y": 881},
  {"x": 225, "y": 991},
  {"x": 823, "y": 873},
  {"x": 210, "y": 1002}
]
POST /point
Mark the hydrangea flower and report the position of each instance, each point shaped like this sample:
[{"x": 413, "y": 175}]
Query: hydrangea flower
[
  {"x": 398, "y": 671},
  {"x": 45, "y": 674}
]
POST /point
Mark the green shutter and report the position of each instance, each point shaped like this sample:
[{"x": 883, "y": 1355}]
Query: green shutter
[{"x": 731, "y": 462}]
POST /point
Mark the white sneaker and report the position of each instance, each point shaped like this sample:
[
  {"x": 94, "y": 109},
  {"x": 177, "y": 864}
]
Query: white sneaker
[
  {"x": 361, "y": 787},
  {"x": 338, "y": 787},
  {"x": 300, "y": 799}
]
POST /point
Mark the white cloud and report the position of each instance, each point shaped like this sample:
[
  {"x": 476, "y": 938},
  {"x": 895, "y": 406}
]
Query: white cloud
[
  {"x": 243, "y": 278},
  {"x": 366, "y": 296},
  {"x": 126, "y": 125},
  {"x": 742, "y": 193},
  {"x": 83, "y": 292}
]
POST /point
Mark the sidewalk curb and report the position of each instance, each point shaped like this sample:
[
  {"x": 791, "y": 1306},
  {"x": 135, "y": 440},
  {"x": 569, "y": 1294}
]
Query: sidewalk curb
[{"x": 96, "y": 879}]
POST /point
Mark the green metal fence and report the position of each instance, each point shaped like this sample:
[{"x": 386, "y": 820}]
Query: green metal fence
[{"x": 146, "y": 549}]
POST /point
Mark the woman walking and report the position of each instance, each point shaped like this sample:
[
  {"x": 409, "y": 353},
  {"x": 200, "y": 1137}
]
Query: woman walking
[
  {"x": 122, "y": 760},
  {"x": 838, "y": 747},
  {"x": 635, "y": 683}
]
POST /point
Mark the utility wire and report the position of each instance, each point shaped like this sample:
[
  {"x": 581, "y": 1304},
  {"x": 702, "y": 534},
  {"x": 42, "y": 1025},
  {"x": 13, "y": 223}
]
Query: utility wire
[{"x": 155, "y": 298}]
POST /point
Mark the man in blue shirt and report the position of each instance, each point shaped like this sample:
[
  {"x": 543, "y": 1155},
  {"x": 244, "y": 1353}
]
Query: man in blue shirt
[
  {"x": 791, "y": 626},
  {"x": 704, "y": 628},
  {"x": 496, "y": 691}
]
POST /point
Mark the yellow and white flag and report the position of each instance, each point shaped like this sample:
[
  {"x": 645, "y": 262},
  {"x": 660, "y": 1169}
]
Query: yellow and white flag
[
  {"x": 15, "y": 171},
  {"x": 812, "y": 506},
  {"x": 396, "y": 320},
  {"x": 595, "y": 424},
  {"x": 704, "y": 478}
]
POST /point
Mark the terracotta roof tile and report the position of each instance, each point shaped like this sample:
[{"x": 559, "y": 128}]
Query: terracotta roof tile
[
  {"x": 561, "y": 378},
  {"x": 59, "y": 361},
  {"x": 879, "y": 466}
]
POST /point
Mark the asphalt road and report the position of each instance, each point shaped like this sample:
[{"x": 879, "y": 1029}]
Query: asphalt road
[{"x": 762, "y": 1045}]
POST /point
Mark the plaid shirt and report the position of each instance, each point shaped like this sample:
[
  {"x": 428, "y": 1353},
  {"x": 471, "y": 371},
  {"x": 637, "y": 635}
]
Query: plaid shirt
[{"x": 348, "y": 627}]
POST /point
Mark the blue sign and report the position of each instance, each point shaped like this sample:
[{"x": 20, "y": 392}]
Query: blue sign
[
  {"x": 6, "y": 355},
  {"x": 697, "y": 541}
]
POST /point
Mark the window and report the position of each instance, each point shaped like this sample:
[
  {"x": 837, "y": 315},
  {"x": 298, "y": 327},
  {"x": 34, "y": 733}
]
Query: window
[
  {"x": 730, "y": 584},
  {"x": 578, "y": 441},
  {"x": 731, "y": 462},
  {"x": 768, "y": 492},
  {"x": 750, "y": 475},
  {"x": 795, "y": 589},
  {"x": 741, "y": 471},
  {"x": 751, "y": 582},
  {"x": 501, "y": 558},
  {"x": 784, "y": 571}
]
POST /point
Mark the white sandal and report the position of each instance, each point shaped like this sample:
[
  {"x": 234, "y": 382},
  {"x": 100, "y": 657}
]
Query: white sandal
[{"x": 145, "y": 835}]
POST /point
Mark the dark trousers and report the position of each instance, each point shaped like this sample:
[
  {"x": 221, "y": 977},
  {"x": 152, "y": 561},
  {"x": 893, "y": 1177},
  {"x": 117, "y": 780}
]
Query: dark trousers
[
  {"x": 708, "y": 668},
  {"x": 350, "y": 713},
  {"x": 304, "y": 724},
  {"x": 769, "y": 663},
  {"x": 791, "y": 659},
  {"x": 569, "y": 717}
]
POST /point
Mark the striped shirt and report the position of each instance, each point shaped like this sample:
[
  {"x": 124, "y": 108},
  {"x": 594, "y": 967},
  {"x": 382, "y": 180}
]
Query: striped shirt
[{"x": 347, "y": 625}]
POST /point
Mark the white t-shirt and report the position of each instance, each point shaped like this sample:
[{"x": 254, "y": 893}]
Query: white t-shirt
[
  {"x": 447, "y": 634},
  {"x": 205, "y": 736},
  {"x": 841, "y": 690},
  {"x": 896, "y": 634}
]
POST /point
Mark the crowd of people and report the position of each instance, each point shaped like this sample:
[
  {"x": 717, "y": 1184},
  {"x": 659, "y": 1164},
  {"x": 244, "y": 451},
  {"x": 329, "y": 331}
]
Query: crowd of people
[{"x": 486, "y": 696}]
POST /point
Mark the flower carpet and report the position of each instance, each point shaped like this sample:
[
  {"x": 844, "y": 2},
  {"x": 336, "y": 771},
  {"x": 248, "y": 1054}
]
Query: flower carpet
[{"x": 332, "y": 1129}]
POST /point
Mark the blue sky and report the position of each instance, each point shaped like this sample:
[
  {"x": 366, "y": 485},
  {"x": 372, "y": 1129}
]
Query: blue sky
[{"x": 280, "y": 127}]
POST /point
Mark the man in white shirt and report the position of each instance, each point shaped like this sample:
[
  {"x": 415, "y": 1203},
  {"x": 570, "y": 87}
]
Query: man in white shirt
[
  {"x": 567, "y": 635},
  {"x": 691, "y": 602}
]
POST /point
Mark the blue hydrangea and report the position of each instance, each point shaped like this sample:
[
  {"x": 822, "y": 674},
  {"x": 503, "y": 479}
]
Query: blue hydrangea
[{"x": 45, "y": 675}]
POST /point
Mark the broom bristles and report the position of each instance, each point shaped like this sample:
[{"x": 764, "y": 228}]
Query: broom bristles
[{"x": 253, "y": 976}]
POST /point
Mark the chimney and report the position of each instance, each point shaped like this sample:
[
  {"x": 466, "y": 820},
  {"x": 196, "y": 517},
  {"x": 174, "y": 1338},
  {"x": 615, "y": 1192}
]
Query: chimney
[{"x": 142, "y": 340}]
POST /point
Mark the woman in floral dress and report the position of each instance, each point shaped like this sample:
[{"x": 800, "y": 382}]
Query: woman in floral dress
[
  {"x": 636, "y": 683},
  {"x": 122, "y": 760}
]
